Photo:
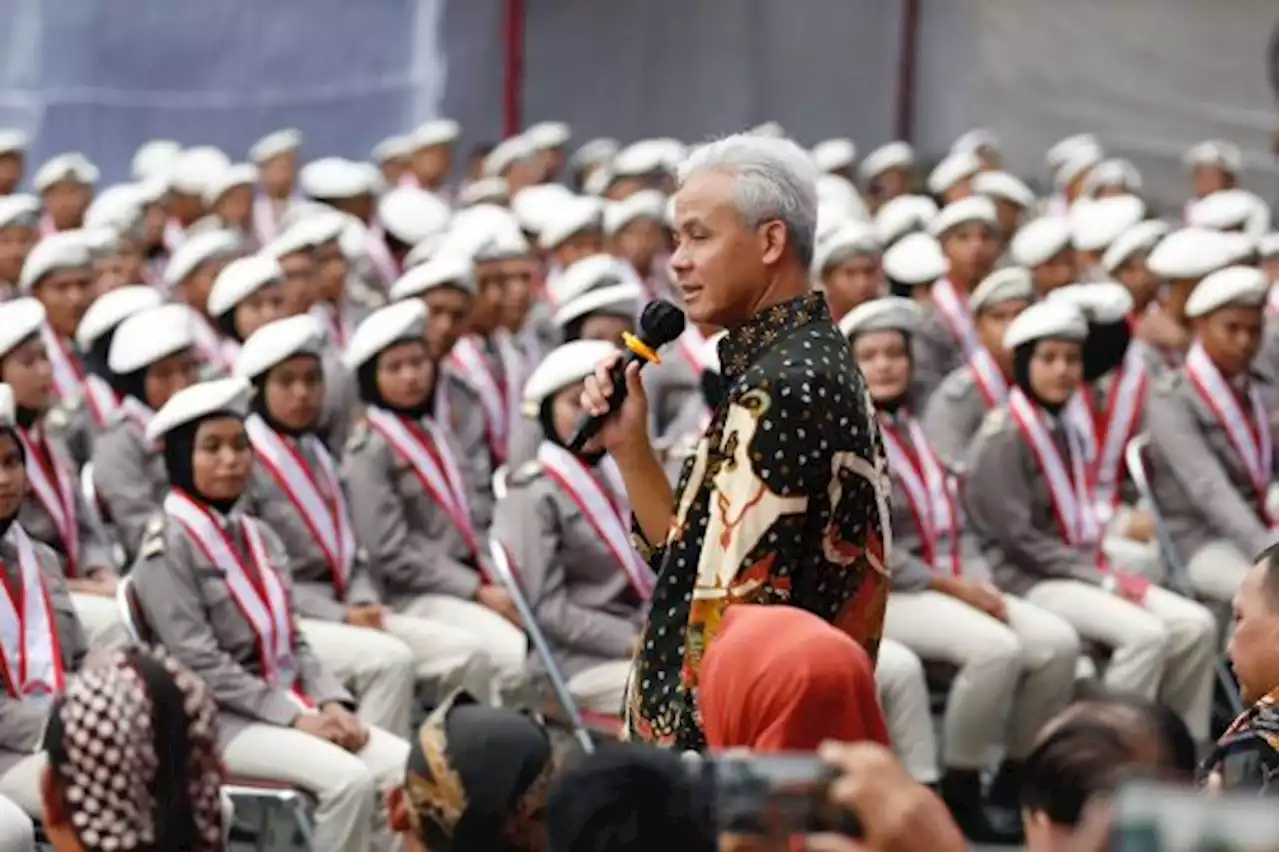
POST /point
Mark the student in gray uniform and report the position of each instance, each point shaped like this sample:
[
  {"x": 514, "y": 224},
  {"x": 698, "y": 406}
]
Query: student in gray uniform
[
  {"x": 54, "y": 511},
  {"x": 295, "y": 489},
  {"x": 566, "y": 524},
  {"x": 955, "y": 410},
  {"x": 152, "y": 357},
  {"x": 1027, "y": 494},
  {"x": 691, "y": 421},
  {"x": 247, "y": 294},
  {"x": 213, "y": 589},
  {"x": 1016, "y": 661},
  {"x": 427, "y": 553},
  {"x": 847, "y": 265},
  {"x": 1213, "y": 437},
  {"x": 1043, "y": 247},
  {"x": 44, "y": 648}
]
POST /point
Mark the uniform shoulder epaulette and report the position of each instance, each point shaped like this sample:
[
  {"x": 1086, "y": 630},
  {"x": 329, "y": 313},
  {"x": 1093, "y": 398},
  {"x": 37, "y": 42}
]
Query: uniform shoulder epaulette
[
  {"x": 153, "y": 537},
  {"x": 957, "y": 383},
  {"x": 58, "y": 417},
  {"x": 358, "y": 437},
  {"x": 1168, "y": 381},
  {"x": 527, "y": 472},
  {"x": 994, "y": 421}
]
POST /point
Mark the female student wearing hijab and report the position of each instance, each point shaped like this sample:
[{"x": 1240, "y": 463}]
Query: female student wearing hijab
[
  {"x": 213, "y": 588},
  {"x": 408, "y": 495},
  {"x": 566, "y": 523},
  {"x": 40, "y": 637},
  {"x": 94, "y": 335},
  {"x": 54, "y": 511},
  {"x": 247, "y": 294},
  {"x": 132, "y": 759},
  {"x": 1028, "y": 496},
  {"x": 1016, "y": 662},
  {"x": 295, "y": 489}
]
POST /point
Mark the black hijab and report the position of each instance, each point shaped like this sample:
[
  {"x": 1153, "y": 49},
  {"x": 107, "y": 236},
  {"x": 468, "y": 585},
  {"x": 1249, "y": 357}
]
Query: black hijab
[
  {"x": 903, "y": 400},
  {"x": 179, "y": 450},
  {"x": 1105, "y": 348},
  {"x": 367, "y": 384},
  {"x": 547, "y": 420},
  {"x": 1022, "y": 375},
  {"x": 5, "y": 523},
  {"x": 95, "y": 357}
]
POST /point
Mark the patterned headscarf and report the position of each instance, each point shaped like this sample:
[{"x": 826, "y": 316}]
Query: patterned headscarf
[
  {"x": 477, "y": 779},
  {"x": 131, "y": 748}
]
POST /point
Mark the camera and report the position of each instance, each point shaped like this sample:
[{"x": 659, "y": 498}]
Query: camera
[{"x": 775, "y": 795}]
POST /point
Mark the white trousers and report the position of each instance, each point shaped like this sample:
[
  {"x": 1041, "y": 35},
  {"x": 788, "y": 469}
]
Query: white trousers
[
  {"x": 1215, "y": 570},
  {"x": 904, "y": 696},
  {"x": 17, "y": 833},
  {"x": 1013, "y": 677},
  {"x": 21, "y": 784},
  {"x": 602, "y": 688},
  {"x": 377, "y": 668},
  {"x": 348, "y": 788},
  {"x": 1164, "y": 648},
  {"x": 445, "y": 657},
  {"x": 504, "y": 643},
  {"x": 100, "y": 618}
]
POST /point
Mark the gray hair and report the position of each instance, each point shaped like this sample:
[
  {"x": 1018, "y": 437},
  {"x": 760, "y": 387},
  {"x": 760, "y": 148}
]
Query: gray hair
[{"x": 777, "y": 179}]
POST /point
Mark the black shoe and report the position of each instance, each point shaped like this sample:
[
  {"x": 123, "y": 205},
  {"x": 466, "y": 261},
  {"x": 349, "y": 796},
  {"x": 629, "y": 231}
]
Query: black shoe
[
  {"x": 1005, "y": 787},
  {"x": 962, "y": 791}
]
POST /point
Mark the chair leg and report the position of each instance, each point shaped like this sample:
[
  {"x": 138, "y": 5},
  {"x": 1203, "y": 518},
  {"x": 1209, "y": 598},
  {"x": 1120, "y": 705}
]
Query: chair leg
[
  {"x": 264, "y": 825},
  {"x": 303, "y": 822}
]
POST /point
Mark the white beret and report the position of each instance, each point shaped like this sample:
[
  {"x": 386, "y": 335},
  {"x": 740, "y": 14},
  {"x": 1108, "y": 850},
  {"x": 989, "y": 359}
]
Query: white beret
[
  {"x": 1040, "y": 240},
  {"x": 564, "y": 365},
  {"x": 832, "y": 216},
  {"x": 493, "y": 190},
  {"x": 594, "y": 152},
  {"x": 1058, "y": 319},
  {"x": 143, "y": 338},
  {"x": 574, "y": 216},
  {"x": 19, "y": 210},
  {"x": 236, "y": 174},
  {"x": 112, "y": 308},
  {"x": 392, "y": 148},
  {"x": 230, "y": 396},
  {"x": 13, "y": 141},
  {"x": 198, "y": 250},
  {"x": 903, "y": 214},
  {"x": 1101, "y": 302},
  {"x": 274, "y": 144},
  {"x": 19, "y": 319},
  {"x": 768, "y": 128},
  {"x": 533, "y": 205},
  {"x": 546, "y": 135},
  {"x": 1004, "y": 185},
  {"x": 617, "y": 300},
  {"x": 503, "y": 244},
  {"x": 425, "y": 250},
  {"x": 487, "y": 231},
  {"x": 895, "y": 155},
  {"x": 888, "y": 313},
  {"x": 915, "y": 259},
  {"x": 411, "y": 215},
  {"x": 1268, "y": 245},
  {"x": 506, "y": 154},
  {"x": 1139, "y": 237},
  {"x": 598, "y": 181},
  {"x": 978, "y": 139},
  {"x": 1078, "y": 164},
  {"x": 1006, "y": 284},
  {"x": 952, "y": 169},
  {"x": 8, "y": 411},
  {"x": 1214, "y": 152},
  {"x": 240, "y": 279},
  {"x": 63, "y": 250},
  {"x": 641, "y": 158},
  {"x": 851, "y": 238},
  {"x": 836, "y": 190},
  {"x": 975, "y": 208},
  {"x": 155, "y": 159},
  {"x": 73, "y": 167},
  {"x": 334, "y": 177},
  {"x": 589, "y": 273},
  {"x": 1095, "y": 224},
  {"x": 830, "y": 155},
  {"x": 646, "y": 204},
  {"x": 1191, "y": 253},
  {"x": 118, "y": 207},
  {"x": 438, "y": 131},
  {"x": 307, "y": 235},
  {"x": 195, "y": 167},
  {"x": 277, "y": 342},
  {"x": 1229, "y": 209},
  {"x": 1235, "y": 285},
  {"x": 1065, "y": 149},
  {"x": 385, "y": 326},
  {"x": 449, "y": 268},
  {"x": 1114, "y": 172}
]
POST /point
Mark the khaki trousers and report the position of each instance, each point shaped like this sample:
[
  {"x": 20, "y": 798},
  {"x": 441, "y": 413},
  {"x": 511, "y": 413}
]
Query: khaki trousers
[
  {"x": 20, "y": 784},
  {"x": 1163, "y": 648},
  {"x": 602, "y": 688},
  {"x": 17, "y": 834},
  {"x": 1215, "y": 570},
  {"x": 100, "y": 618},
  {"x": 377, "y": 668},
  {"x": 904, "y": 695},
  {"x": 349, "y": 816},
  {"x": 1013, "y": 676},
  {"x": 502, "y": 641}
]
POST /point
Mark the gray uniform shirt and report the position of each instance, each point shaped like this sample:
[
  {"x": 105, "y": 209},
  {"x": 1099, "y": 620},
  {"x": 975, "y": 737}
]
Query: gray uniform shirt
[
  {"x": 952, "y": 416},
  {"x": 130, "y": 478},
  {"x": 935, "y": 353},
  {"x": 94, "y": 548},
  {"x": 341, "y": 406},
  {"x": 466, "y": 424}
]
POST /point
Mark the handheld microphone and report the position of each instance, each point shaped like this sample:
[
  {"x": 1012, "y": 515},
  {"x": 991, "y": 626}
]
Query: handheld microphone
[{"x": 660, "y": 323}]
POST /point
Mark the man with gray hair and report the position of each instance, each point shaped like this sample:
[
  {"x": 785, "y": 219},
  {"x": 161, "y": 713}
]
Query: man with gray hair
[{"x": 783, "y": 501}]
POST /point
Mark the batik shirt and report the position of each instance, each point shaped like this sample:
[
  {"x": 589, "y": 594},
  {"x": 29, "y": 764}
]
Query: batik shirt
[
  {"x": 784, "y": 501},
  {"x": 1245, "y": 757}
]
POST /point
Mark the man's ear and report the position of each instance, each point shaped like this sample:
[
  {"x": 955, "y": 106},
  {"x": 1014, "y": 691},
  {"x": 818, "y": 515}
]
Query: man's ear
[{"x": 773, "y": 240}]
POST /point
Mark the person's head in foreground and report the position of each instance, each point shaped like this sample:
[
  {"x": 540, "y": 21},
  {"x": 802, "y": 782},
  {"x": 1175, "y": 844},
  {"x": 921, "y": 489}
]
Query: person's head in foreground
[
  {"x": 476, "y": 781},
  {"x": 132, "y": 760},
  {"x": 779, "y": 678},
  {"x": 745, "y": 215},
  {"x": 1255, "y": 643},
  {"x": 1086, "y": 752},
  {"x": 629, "y": 797}
]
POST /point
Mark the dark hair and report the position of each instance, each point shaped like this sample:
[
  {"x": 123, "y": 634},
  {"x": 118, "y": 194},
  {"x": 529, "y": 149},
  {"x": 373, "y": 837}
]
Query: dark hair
[
  {"x": 1271, "y": 578},
  {"x": 629, "y": 798}
]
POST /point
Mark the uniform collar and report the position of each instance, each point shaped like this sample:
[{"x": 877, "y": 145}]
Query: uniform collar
[{"x": 744, "y": 344}]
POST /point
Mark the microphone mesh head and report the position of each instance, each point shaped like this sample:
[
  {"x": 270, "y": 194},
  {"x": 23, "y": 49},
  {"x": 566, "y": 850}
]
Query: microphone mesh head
[{"x": 660, "y": 323}]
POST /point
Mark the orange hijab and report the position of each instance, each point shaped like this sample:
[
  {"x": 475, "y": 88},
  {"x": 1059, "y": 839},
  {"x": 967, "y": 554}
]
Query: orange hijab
[{"x": 779, "y": 678}]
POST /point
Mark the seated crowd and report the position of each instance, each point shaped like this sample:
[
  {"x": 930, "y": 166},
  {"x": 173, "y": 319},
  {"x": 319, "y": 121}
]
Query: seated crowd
[{"x": 292, "y": 426}]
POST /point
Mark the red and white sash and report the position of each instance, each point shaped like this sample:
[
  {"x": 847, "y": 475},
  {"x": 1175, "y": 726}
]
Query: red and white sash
[
  {"x": 986, "y": 373},
  {"x": 496, "y": 392},
  {"x": 1067, "y": 478},
  {"x": 318, "y": 499},
  {"x": 375, "y": 247},
  {"x": 257, "y": 589},
  {"x": 423, "y": 446},
  {"x": 1106, "y": 434},
  {"x": 213, "y": 349},
  {"x": 929, "y": 493},
  {"x": 32, "y": 653},
  {"x": 605, "y": 509},
  {"x": 953, "y": 307},
  {"x": 266, "y": 220},
  {"x": 67, "y": 375},
  {"x": 55, "y": 488},
  {"x": 692, "y": 347},
  {"x": 100, "y": 399},
  {"x": 1249, "y": 433}
]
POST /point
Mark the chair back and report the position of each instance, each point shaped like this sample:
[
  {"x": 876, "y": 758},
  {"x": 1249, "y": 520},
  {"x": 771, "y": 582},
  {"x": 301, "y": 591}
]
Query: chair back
[
  {"x": 1135, "y": 460},
  {"x": 131, "y": 612}
]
